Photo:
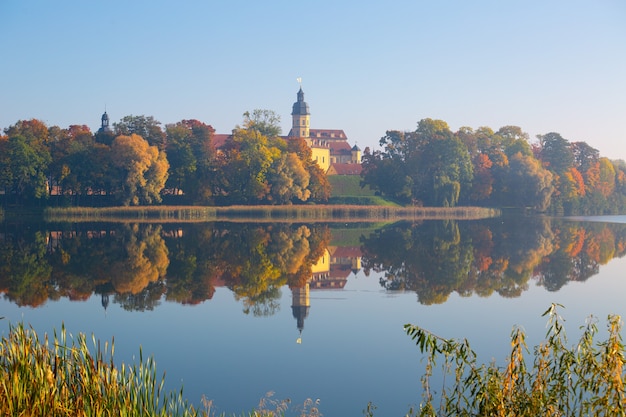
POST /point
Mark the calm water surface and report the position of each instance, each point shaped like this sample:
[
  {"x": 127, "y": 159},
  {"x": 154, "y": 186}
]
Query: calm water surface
[{"x": 232, "y": 312}]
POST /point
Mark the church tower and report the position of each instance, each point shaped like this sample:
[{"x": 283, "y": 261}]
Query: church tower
[
  {"x": 104, "y": 128},
  {"x": 300, "y": 118}
]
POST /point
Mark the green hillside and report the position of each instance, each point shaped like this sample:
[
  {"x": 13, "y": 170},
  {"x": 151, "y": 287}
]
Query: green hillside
[{"x": 346, "y": 189}]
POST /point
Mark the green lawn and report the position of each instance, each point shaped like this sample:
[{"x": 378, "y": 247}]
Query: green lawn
[{"x": 346, "y": 189}]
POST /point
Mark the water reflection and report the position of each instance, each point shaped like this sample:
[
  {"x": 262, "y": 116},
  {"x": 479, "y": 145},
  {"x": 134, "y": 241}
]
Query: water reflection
[{"x": 139, "y": 265}]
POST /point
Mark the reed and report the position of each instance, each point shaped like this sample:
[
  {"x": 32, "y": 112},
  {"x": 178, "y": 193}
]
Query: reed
[
  {"x": 61, "y": 377},
  {"x": 268, "y": 213},
  {"x": 586, "y": 379}
]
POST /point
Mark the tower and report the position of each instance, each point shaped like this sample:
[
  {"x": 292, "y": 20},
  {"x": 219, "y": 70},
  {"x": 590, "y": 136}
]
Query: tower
[
  {"x": 300, "y": 117},
  {"x": 104, "y": 127}
]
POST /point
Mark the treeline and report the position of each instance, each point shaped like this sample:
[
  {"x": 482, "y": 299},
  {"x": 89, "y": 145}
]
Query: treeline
[
  {"x": 137, "y": 162},
  {"x": 434, "y": 166}
]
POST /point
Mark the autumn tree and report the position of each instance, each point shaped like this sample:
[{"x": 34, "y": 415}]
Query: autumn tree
[
  {"x": 319, "y": 187},
  {"x": 145, "y": 126},
  {"x": 288, "y": 180},
  {"x": 64, "y": 145},
  {"x": 142, "y": 170}
]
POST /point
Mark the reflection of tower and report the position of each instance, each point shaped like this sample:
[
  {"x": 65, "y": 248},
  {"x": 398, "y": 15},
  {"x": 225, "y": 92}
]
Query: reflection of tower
[
  {"x": 300, "y": 306},
  {"x": 105, "y": 302},
  {"x": 105, "y": 290}
]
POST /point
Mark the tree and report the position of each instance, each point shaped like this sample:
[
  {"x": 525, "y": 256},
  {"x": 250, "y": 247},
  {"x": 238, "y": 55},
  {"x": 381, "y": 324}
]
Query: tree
[
  {"x": 248, "y": 157},
  {"x": 23, "y": 169},
  {"x": 443, "y": 166},
  {"x": 145, "y": 126},
  {"x": 511, "y": 140},
  {"x": 482, "y": 186},
  {"x": 529, "y": 184},
  {"x": 288, "y": 180},
  {"x": 63, "y": 145},
  {"x": 555, "y": 152},
  {"x": 142, "y": 170},
  {"x": 319, "y": 186},
  {"x": 192, "y": 160},
  {"x": 266, "y": 122},
  {"x": 584, "y": 155}
]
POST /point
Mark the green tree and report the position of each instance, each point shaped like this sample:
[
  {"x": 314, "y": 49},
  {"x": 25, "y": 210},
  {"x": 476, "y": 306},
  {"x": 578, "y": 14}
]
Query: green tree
[
  {"x": 145, "y": 126},
  {"x": 192, "y": 160},
  {"x": 386, "y": 171},
  {"x": 511, "y": 140},
  {"x": 555, "y": 152},
  {"x": 529, "y": 184},
  {"x": 248, "y": 158},
  {"x": 443, "y": 166},
  {"x": 266, "y": 122},
  {"x": 24, "y": 169}
]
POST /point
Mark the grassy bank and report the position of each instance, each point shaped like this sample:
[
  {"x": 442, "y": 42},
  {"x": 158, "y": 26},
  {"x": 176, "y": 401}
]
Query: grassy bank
[{"x": 293, "y": 213}]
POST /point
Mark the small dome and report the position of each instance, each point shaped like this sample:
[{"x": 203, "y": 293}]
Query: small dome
[{"x": 300, "y": 107}]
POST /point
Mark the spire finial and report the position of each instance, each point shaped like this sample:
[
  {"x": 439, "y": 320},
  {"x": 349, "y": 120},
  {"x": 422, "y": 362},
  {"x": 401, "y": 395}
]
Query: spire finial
[{"x": 299, "y": 79}]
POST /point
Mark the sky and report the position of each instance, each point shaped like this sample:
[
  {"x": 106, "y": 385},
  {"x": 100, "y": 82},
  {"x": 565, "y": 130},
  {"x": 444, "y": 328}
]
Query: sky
[{"x": 366, "y": 66}]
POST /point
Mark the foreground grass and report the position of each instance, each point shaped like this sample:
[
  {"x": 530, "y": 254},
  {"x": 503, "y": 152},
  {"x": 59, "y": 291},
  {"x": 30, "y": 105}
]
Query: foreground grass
[
  {"x": 586, "y": 379},
  {"x": 57, "y": 378},
  {"x": 292, "y": 213},
  {"x": 62, "y": 378}
]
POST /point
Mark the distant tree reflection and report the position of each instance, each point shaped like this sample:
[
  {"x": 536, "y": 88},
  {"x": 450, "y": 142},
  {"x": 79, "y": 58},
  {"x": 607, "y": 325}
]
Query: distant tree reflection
[{"x": 137, "y": 266}]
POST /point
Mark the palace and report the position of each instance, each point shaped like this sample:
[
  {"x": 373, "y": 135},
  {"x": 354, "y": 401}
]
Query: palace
[{"x": 330, "y": 147}]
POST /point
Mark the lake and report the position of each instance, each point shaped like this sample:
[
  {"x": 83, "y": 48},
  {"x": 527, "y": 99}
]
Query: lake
[{"x": 233, "y": 311}]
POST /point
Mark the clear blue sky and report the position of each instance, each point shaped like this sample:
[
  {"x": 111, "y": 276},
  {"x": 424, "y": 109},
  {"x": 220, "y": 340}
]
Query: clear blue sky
[{"x": 366, "y": 66}]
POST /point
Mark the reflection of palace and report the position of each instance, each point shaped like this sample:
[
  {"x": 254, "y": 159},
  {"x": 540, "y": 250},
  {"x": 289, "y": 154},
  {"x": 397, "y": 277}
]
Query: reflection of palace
[{"x": 330, "y": 272}]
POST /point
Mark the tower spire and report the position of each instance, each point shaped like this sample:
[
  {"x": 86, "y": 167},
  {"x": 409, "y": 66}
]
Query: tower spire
[{"x": 300, "y": 116}]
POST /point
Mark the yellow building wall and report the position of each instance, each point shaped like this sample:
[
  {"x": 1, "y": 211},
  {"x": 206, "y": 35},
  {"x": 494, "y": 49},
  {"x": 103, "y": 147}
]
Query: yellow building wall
[
  {"x": 322, "y": 264},
  {"x": 322, "y": 157}
]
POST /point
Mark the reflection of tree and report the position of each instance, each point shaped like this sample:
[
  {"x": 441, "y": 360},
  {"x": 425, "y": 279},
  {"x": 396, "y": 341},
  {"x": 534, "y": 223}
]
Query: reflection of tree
[
  {"x": 135, "y": 265},
  {"x": 264, "y": 259},
  {"x": 127, "y": 258},
  {"x": 428, "y": 259},
  {"x": 145, "y": 261},
  {"x": 254, "y": 261},
  {"x": 24, "y": 270},
  {"x": 147, "y": 299},
  {"x": 497, "y": 255}
]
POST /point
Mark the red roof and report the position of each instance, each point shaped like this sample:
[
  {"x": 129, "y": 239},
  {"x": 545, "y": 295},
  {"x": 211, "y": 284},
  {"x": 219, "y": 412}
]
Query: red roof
[
  {"x": 327, "y": 134},
  {"x": 219, "y": 139}
]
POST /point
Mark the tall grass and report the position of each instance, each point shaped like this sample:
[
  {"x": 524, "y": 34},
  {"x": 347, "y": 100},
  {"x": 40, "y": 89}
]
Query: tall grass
[
  {"x": 586, "y": 379},
  {"x": 289, "y": 213},
  {"x": 62, "y": 377}
]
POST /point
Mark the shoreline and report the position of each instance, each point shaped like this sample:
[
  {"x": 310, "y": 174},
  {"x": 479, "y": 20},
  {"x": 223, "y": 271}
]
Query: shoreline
[{"x": 267, "y": 213}]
